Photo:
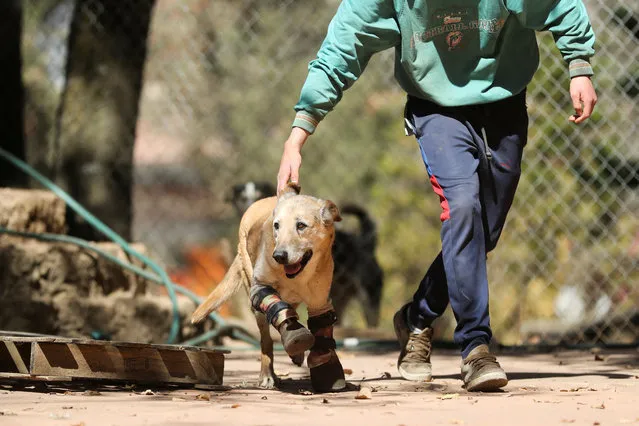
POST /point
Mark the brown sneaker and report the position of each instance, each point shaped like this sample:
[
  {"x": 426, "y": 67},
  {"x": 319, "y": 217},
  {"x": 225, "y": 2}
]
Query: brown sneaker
[
  {"x": 481, "y": 372},
  {"x": 414, "y": 359}
]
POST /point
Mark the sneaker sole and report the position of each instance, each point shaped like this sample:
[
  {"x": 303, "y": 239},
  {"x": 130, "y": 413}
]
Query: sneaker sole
[
  {"x": 488, "y": 382},
  {"x": 415, "y": 377}
]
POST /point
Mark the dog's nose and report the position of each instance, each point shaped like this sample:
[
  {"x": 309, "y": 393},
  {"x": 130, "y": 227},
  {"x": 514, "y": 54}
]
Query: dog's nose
[{"x": 280, "y": 256}]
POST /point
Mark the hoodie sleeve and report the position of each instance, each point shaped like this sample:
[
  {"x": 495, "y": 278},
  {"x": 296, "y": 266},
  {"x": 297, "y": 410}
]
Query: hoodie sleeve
[
  {"x": 359, "y": 29},
  {"x": 569, "y": 24}
]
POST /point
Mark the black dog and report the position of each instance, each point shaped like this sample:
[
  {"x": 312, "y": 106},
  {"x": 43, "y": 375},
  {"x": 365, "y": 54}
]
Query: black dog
[{"x": 357, "y": 273}]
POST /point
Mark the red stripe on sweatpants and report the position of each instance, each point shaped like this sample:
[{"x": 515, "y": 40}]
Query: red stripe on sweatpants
[{"x": 442, "y": 198}]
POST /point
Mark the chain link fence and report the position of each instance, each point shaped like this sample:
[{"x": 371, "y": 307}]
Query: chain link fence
[{"x": 216, "y": 82}]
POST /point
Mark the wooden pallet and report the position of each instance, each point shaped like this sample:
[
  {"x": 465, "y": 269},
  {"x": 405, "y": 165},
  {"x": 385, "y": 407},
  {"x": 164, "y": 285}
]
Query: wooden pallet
[{"x": 61, "y": 359}]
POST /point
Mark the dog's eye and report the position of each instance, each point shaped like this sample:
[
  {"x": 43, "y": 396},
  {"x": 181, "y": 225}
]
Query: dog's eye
[
  {"x": 301, "y": 226},
  {"x": 276, "y": 226}
]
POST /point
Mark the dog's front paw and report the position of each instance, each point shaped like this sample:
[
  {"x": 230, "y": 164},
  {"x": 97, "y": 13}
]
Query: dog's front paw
[
  {"x": 298, "y": 359},
  {"x": 268, "y": 381}
]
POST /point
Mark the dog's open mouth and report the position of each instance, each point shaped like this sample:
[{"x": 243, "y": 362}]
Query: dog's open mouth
[{"x": 293, "y": 269}]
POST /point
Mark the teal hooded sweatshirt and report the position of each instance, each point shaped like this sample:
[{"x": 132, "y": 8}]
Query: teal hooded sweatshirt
[{"x": 452, "y": 53}]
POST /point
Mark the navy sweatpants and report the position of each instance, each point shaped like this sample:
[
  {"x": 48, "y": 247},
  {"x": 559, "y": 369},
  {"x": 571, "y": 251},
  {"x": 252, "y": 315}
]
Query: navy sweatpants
[{"x": 473, "y": 157}]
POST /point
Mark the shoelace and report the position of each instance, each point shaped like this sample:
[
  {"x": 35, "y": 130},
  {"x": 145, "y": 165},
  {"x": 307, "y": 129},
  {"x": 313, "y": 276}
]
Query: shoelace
[
  {"x": 418, "y": 347},
  {"x": 483, "y": 360}
]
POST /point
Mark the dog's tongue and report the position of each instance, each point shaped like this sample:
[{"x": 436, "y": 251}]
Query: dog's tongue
[{"x": 292, "y": 269}]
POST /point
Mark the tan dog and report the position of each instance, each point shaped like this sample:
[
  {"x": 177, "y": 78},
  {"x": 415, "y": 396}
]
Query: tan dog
[{"x": 284, "y": 258}]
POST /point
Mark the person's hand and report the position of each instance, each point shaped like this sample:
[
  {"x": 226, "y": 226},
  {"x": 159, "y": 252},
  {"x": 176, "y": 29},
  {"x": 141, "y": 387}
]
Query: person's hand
[
  {"x": 291, "y": 158},
  {"x": 584, "y": 98}
]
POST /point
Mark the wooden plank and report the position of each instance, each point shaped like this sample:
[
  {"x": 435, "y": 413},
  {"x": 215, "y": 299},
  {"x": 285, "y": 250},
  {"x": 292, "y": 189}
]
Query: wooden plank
[
  {"x": 30, "y": 378},
  {"x": 129, "y": 362},
  {"x": 108, "y": 343},
  {"x": 17, "y": 358},
  {"x": 14, "y": 356}
]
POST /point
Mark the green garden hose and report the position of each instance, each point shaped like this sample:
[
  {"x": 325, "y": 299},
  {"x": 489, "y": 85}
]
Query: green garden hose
[{"x": 160, "y": 275}]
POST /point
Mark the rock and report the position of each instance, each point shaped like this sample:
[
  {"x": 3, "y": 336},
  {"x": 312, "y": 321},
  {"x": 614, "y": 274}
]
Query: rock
[
  {"x": 61, "y": 289},
  {"x": 32, "y": 211}
]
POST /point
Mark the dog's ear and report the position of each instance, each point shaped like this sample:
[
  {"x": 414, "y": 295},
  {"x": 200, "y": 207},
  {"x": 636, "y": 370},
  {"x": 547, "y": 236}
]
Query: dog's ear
[
  {"x": 291, "y": 188},
  {"x": 329, "y": 213}
]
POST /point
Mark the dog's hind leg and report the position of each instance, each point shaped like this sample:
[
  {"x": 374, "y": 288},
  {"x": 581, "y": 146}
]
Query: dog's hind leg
[{"x": 268, "y": 379}]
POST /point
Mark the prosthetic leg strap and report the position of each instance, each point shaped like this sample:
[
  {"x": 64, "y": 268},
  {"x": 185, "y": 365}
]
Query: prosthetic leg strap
[
  {"x": 322, "y": 328},
  {"x": 326, "y": 319},
  {"x": 267, "y": 300}
]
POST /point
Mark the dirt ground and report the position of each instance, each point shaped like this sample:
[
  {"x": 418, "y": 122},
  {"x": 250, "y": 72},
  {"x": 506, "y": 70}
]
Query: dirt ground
[{"x": 569, "y": 387}]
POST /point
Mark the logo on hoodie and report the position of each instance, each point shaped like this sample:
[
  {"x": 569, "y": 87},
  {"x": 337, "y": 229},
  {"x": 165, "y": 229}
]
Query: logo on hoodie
[{"x": 452, "y": 24}]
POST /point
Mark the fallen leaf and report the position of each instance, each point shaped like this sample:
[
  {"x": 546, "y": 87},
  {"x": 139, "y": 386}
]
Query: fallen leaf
[
  {"x": 449, "y": 396},
  {"x": 148, "y": 392},
  {"x": 264, "y": 397},
  {"x": 324, "y": 401},
  {"x": 235, "y": 405},
  {"x": 348, "y": 371},
  {"x": 364, "y": 393},
  {"x": 596, "y": 424},
  {"x": 599, "y": 407},
  {"x": 203, "y": 397},
  {"x": 67, "y": 407}
]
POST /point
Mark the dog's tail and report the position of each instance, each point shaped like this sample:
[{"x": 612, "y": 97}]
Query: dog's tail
[
  {"x": 231, "y": 282},
  {"x": 367, "y": 228}
]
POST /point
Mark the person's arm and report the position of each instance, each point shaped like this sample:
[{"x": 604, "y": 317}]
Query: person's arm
[
  {"x": 569, "y": 24},
  {"x": 359, "y": 29}
]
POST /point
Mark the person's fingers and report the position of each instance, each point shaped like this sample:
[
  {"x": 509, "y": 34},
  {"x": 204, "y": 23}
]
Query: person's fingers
[
  {"x": 295, "y": 173},
  {"x": 282, "y": 176},
  {"x": 576, "y": 104},
  {"x": 588, "y": 107}
]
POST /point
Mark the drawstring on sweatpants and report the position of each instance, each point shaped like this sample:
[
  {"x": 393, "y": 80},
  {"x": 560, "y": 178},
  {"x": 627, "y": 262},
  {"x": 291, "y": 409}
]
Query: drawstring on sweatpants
[{"x": 489, "y": 155}]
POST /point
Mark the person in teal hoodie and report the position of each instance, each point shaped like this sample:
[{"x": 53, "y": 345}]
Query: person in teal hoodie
[{"x": 465, "y": 66}]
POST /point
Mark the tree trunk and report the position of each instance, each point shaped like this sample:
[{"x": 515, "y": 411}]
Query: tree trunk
[
  {"x": 11, "y": 91},
  {"x": 98, "y": 111}
]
